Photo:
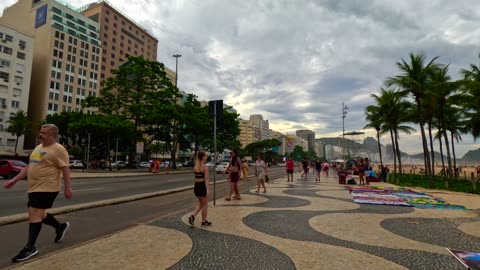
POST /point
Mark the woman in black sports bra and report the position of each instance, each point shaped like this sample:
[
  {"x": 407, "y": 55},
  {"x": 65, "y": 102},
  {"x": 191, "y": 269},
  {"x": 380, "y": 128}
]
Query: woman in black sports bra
[{"x": 200, "y": 171}]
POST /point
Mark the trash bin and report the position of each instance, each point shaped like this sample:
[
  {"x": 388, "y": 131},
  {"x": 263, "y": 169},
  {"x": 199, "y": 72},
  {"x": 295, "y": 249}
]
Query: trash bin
[{"x": 342, "y": 177}]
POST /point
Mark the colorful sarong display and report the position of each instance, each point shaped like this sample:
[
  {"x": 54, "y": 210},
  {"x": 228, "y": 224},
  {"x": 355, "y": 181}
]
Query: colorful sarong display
[{"x": 398, "y": 196}]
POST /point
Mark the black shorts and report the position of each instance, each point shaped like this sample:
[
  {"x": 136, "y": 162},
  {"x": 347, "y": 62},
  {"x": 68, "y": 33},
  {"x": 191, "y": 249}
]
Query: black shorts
[
  {"x": 290, "y": 171},
  {"x": 41, "y": 200},
  {"x": 234, "y": 177},
  {"x": 200, "y": 189}
]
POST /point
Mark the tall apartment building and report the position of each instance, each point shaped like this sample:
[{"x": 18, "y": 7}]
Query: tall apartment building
[
  {"x": 66, "y": 56},
  {"x": 120, "y": 37},
  {"x": 309, "y": 136},
  {"x": 16, "y": 56},
  {"x": 249, "y": 132},
  {"x": 263, "y": 125}
]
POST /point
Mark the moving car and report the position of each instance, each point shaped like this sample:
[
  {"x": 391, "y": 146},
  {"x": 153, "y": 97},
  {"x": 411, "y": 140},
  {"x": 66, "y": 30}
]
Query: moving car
[
  {"x": 222, "y": 167},
  {"x": 9, "y": 168}
]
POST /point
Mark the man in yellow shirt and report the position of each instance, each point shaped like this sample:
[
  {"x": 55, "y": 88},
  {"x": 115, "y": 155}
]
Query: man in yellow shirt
[{"x": 48, "y": 161}]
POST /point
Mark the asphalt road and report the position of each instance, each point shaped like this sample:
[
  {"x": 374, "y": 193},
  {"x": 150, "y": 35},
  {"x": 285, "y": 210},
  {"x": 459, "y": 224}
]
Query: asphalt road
[
  {"x": 91, "y": 224},
  {"x": 85, "y": 190}
]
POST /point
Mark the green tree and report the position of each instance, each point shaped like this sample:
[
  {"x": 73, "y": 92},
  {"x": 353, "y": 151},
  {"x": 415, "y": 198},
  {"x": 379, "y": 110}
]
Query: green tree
[
  {"x": 140, "y": 91},
  {"x": 19, "y": 125}
]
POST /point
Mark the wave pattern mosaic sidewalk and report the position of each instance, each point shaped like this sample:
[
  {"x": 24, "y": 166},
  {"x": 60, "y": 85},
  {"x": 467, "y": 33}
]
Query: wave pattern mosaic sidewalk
[{"x": 302, "y": 225}]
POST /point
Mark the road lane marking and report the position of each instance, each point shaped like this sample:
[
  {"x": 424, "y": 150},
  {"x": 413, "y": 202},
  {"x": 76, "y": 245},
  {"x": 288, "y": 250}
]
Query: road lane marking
[{"x": 87, "y": 189}]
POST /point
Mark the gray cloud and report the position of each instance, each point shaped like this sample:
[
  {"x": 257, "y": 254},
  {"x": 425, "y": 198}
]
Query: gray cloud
[{"x": 295, "y": 62}]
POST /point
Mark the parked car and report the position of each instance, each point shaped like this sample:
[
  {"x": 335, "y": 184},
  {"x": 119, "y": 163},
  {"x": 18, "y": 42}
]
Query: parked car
[
  {"x": 209, "y": 164},
  {"x": 221, "y": 167},
  {"x": 118, "y": 164},
  {"x": 188, "y": 163},
  {"x": 9, "y": 168},
  {"x": 178, "y": 165},
  {"x": 144, "y": 164},
  {"x": 76, "y": 164}
]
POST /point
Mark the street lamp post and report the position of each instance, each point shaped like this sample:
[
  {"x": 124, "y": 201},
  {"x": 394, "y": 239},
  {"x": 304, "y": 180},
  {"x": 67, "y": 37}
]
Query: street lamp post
[
  {"x": 176, "y": 67},
  {"x": 344, "y": 114}
]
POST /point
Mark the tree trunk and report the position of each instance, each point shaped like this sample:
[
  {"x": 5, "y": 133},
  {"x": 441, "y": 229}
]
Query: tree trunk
[
  {"x": 441, "y": 151},
  {"x": 432, "y": 150},
  {"x": 426, "y": 155},
  {"x": 399, "y": 156},
  {"x": 394, "y": 155},
  {"x": 16, "y": 143},
  {"x": 379, "y": 147},
  {"x": 453, "y": 152},
  {"x": 449, "y": 158}
]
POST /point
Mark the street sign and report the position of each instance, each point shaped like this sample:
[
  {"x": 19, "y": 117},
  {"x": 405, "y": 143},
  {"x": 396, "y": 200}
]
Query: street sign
[{"x": 139, "y": 147}]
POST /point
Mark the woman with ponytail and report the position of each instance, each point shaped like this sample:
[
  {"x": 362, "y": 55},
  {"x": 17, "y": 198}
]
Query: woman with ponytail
[{"x": 200, "y": 171}]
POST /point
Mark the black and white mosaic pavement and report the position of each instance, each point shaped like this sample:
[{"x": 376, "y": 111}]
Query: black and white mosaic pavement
[{"x": 285, "y": 213}]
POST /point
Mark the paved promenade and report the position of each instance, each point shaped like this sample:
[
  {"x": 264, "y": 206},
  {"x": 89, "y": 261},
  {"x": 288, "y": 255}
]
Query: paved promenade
[{"x": 299, "y": 225}]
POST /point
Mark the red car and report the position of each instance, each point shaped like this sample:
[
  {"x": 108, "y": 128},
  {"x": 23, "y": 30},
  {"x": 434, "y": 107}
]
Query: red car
[{"x": 9, "y": 168}]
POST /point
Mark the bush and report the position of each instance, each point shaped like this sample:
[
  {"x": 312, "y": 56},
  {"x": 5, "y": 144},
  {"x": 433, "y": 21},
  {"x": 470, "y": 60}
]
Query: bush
[{"x": 415, "y": 180}]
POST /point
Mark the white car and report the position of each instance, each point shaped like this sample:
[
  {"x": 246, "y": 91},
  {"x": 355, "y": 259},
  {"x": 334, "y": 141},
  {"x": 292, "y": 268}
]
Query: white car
[
  {"x": 145, "y": 164},
  {"x": 222, "y": 167},
  {"x": 76, "y": 164},
  {"x": 210, "y": 164}
]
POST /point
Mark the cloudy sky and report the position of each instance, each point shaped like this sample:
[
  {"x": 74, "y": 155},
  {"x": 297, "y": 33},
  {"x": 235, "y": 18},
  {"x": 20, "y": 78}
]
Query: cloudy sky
[{"x": 295, "y": 62}]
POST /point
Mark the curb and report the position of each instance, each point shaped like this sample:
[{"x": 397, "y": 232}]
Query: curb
[{"x": 66, "y": 209}]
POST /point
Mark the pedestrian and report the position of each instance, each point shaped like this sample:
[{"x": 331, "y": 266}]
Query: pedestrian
[
  {"x": 234, "y": 168},
  {"x": 157, "y": 165},
  {"x": 260, "y": 173},
  {"x": 305, "y": 168},
  {"x": 326, "y": 167},
  {"x": 318, "y": 169},
  {"x": 48, "y": 161},
  {"x": 361, "y": 172},
  {"x": 201, "y": 189},
  {"x": 167, "y": 166},
  {"x": 245, "y": 170},
  {"x": 290, "y": 166}
]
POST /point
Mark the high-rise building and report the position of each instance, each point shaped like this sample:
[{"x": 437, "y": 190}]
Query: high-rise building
[
  {"x": 249, "y": 132},
  {"x": 309, "y": 136},
  {"x": 263, "y": 126},
  {"x": 120, "y": 36},
  {"x": 16, "y": 54},
  {"x": 66, "y": 56}
]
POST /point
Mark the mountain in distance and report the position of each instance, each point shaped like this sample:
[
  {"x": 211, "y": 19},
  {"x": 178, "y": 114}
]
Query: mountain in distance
[
  {"x": 370, "y": 144},
  {"x": 472, "y": 155}
]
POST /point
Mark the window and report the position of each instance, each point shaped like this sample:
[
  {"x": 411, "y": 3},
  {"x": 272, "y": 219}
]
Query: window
[
  {"x": 6, "y": 50},
  {"x": 22, "y": 44},
  {"x": 18, "y": 80},
  {"x": 19, "y": 68},
  {"x": 4, "y": 63},
  {"x": 15, "y": 104},
  {"x": 4, "y": 76}
]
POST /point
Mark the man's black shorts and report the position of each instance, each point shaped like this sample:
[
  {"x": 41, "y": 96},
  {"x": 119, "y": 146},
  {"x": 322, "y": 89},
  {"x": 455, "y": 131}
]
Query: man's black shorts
[
  {"x": 290, "y": 171},
  {"x": 41, "y": 200}
]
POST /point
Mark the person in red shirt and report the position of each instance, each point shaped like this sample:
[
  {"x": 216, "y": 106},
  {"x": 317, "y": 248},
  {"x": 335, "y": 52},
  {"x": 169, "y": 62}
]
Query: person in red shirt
[{"x": 290, "y": 166}]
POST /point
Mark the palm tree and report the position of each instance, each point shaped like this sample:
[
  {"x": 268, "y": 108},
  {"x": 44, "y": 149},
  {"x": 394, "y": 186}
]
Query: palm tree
[
  {"x": 414, "y": 79},
  {"x": 471, "y": 101},
  {"x": 374, "y": 117},
  {"x": 393, "y": 112},
  {"x": 19, "y": 125}
]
